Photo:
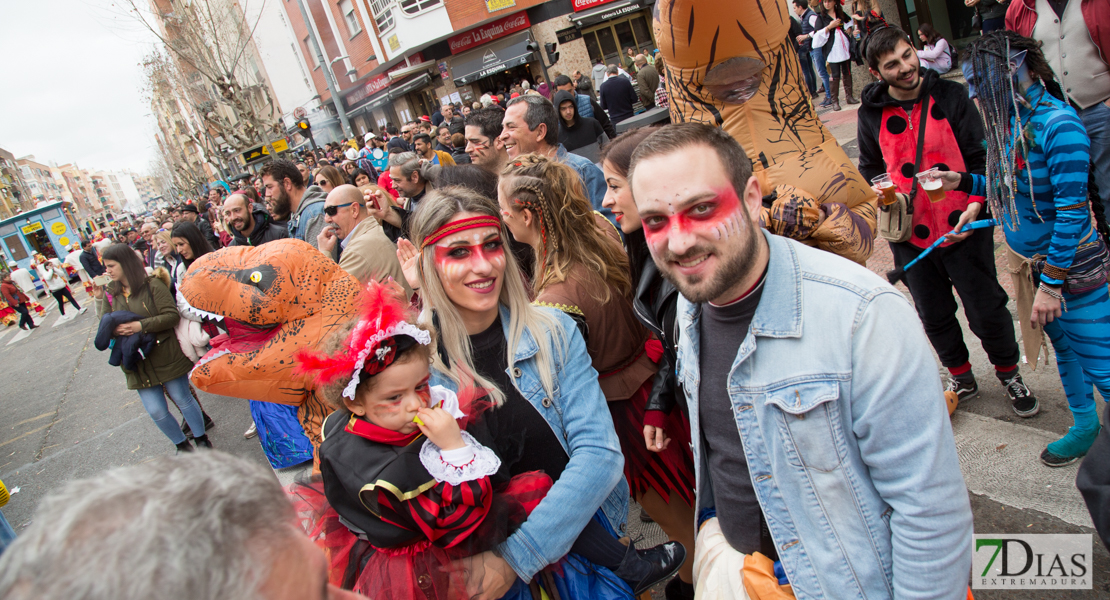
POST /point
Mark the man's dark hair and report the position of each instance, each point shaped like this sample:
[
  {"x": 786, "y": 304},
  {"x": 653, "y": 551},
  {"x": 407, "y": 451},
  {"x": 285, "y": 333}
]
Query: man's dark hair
[
  {"x": 801, "y": 4},
  {"x": 488, "y": 120},
  {"x": 561, "y": 81},
  {"x": 540, "y": 110},
  {"x": 279, "y": 169},
  {"x": 392, "y": 129},
  {"x": 683, "y": 135},
  {"x": 471, "y": 177},
  {"x": 881, "y": 42},
  {"x": 427, "y": 139}
]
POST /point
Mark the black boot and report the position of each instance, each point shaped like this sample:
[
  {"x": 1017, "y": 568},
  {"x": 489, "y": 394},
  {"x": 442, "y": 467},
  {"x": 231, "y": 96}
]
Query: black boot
[
  {"x": 678, "y": 589},
  {"x": 202, "y": 442},
  {"x": 642, "y": 569},
  {"x": 184, "y": 447}
]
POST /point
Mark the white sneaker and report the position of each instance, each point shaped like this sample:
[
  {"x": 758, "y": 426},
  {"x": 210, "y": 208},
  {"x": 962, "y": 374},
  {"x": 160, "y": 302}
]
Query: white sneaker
[
  {"x": 82, "y": 310},
  {"x": 253, "y": 431}
]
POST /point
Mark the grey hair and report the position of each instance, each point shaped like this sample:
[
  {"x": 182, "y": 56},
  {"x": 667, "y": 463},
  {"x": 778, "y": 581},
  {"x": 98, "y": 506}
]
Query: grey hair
[
  {"x": 204, "y": 526},
  {"x": 611, "y": 69},
  {"x": 408, "y": 162},
  {"x": 539, "y": 110}
]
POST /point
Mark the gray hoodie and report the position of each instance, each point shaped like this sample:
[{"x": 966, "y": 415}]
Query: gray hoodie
[
  {"x": 598, "y": 75},
  {"x": 308, "y": 221}
]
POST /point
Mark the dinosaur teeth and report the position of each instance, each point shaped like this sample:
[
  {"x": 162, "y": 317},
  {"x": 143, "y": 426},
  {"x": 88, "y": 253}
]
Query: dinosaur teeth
[{"x": 183, "y": 303}]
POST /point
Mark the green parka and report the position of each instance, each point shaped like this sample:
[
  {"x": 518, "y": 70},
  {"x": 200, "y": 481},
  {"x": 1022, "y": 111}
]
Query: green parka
[{"x": 159, "y": 309}]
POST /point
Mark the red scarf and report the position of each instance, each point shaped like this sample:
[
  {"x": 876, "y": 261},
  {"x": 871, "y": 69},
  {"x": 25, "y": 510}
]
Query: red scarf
[{"x": 367, "y": 430}]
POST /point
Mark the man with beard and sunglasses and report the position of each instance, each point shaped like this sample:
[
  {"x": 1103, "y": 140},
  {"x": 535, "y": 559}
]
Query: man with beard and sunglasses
[
  {"x": 302, "y": 208},
  {"x": 840, "y": 465}
]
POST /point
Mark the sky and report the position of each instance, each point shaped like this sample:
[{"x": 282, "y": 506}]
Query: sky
[{"x": 72, "y": 84}]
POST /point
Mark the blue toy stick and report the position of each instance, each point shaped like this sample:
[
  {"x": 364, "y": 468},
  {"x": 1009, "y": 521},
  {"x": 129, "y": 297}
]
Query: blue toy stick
[{"x": 899, "y": 272}]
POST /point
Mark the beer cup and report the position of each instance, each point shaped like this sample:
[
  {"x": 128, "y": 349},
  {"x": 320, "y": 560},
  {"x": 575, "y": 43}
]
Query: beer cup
[
  {"x": 886, "y": 184},
  {"x": 932, "y": 187}
]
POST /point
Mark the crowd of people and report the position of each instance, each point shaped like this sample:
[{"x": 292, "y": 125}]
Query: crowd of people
[{"x": 554, "y": 325}]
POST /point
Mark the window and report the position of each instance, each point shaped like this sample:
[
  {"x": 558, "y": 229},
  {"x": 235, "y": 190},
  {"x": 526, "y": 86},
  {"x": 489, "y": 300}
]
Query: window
[
  {"x": 312, "y": 53},
  {"x": 349, "y": 15},
  {"x": 415, "y": 7},
  {"x": 383, "y": 14}
]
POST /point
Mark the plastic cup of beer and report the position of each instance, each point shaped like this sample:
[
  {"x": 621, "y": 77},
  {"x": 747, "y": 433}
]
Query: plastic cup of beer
[
  {"x": 931, "y": 186},
  {"x": 886, "y": 184}
]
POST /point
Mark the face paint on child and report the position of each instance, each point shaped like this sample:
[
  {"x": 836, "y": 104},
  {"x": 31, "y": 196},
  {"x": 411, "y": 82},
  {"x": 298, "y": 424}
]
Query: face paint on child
[{"x": 716, "y": 217}]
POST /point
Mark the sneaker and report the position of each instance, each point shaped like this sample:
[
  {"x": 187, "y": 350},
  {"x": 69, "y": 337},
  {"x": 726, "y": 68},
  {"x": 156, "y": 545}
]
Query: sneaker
[
  {"x": 184, "y": 447},
  {"x": 208, "y": 422},
  {"x": 1024, "y": 402},
  {"x": 1069, "y": 448},
  {"x": 253, "y": 431},
  {"x": 965, "y": 387},
  {"x": 82, "y": 310},
  {"x": 202, "y": 442}
]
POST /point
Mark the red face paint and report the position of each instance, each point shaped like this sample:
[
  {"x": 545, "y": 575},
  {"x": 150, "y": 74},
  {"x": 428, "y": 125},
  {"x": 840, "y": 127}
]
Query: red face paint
[
  {"x": 490, "y": 251},
  {"x": 715, "y": 217}
]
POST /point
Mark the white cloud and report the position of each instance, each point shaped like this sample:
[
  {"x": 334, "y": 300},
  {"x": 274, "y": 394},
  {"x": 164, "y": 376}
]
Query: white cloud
[{"x": 73, "y": 84}]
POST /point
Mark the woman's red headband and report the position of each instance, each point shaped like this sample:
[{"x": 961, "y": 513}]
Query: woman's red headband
[{"x": 461, "y": 225}]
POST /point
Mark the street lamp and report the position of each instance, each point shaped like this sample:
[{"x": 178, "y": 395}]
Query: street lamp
[{"x": 350, "y": 72}]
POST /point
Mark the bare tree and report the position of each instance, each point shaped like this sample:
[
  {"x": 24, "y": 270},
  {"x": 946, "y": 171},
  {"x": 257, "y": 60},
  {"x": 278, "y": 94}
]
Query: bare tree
[{"x": 214, "y": 61}]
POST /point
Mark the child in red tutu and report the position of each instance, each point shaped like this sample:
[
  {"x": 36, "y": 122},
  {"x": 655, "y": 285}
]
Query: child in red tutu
[{"x": 407, "y": 489}]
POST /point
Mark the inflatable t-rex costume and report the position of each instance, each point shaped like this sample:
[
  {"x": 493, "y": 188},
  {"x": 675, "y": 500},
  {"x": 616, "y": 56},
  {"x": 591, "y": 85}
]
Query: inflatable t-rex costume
[
  {"x": 292, "y": 296},
  {"x": 729, "y": 63}
]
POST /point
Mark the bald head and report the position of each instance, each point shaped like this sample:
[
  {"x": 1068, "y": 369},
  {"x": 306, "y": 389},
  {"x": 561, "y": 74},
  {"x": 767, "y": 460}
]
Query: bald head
[
  {"x": 237, "y": 200},
  {"x": 343, "y": 209},
  {"x": 640, "y": 60},
  {"x": 238, "y": 214}
]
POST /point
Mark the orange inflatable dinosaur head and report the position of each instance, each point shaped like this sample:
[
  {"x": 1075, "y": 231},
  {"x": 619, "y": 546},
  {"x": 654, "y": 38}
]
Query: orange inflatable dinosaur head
[
  {"x": 274, "y": 299},
  {"x": 728, "y": 63}
]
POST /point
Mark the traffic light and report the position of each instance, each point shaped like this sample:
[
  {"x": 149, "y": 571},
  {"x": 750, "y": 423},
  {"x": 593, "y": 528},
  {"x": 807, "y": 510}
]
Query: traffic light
[
  {"x": 304, "y": 125},
  {"x": 552, "y": 55}
]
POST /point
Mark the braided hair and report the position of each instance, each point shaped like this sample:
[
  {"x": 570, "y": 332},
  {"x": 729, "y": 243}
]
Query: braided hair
[
  {"x": 989, "y": 59},
  {"x": 568, "y": 227}
]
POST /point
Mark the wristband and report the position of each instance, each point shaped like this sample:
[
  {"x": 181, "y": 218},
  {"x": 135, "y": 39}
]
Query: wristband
[{"x": 1054, "y": 294}]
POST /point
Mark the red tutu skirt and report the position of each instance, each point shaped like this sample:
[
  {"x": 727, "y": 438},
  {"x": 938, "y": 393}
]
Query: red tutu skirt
[
  {"x": 418, "y": 571},
  {"x": 669, "y": 471}
]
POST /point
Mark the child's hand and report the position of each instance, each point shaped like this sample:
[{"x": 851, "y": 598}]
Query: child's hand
[{"x": 440, "y": 427}]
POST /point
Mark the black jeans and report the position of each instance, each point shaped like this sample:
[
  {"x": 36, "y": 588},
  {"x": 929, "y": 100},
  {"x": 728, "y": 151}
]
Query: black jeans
[
  {"x": 64, "y": 293},
  {"x": 807, "y": 72},
  {"x": 969, "y": 267},
  {"x": 24, "y": 315}
]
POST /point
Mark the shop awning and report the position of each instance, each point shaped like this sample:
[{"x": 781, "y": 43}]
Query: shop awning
[
  {"x": 606, "y": 12},
  {"x": 390, "y": 94},
  {"x": 491, "y": 58},
  {"x": 417, "y": 68}
]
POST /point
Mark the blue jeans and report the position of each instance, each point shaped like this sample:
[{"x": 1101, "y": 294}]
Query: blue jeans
[
  {"x": 818, "y": 55},
  {"x": 7, "y": 534},
  {"x": 154, "y": 401},
  {"x": 1097, "y": 121},
  {"x": 807, "y": 72}
]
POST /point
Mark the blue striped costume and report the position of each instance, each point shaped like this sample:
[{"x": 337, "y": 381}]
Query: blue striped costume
[{"x": 1059, "y": 158}]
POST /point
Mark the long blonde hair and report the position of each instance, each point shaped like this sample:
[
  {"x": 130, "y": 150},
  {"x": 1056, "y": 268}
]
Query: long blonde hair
[
  {"x": 568, "y": 226},
  {"x": 437, "y": 209}
]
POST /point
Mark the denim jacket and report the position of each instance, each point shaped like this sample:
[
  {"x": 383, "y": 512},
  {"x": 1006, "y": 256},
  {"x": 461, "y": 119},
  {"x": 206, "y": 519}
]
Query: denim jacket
[
  {"x": 845, "y": 431},
  {"x": 579, "y": 416}
]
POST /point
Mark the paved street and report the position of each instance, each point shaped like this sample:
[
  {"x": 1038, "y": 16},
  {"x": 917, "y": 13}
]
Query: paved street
[{"x": 70, "y": 415}]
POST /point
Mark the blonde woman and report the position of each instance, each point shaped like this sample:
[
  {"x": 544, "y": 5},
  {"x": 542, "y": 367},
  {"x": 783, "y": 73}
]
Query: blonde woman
[
  {"x": 548, "y": 412},
  {"x": 582, "y": 269}
]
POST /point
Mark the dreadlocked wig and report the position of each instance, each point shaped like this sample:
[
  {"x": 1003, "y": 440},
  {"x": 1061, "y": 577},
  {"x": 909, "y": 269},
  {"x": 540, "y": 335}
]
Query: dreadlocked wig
[{"x": 989, "y": 59}]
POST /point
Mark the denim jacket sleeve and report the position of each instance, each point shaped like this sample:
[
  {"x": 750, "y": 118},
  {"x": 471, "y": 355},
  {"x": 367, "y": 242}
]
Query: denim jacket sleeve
[
  {"x": 905, "y": 439},
  {"x": 596, "y": 464}
]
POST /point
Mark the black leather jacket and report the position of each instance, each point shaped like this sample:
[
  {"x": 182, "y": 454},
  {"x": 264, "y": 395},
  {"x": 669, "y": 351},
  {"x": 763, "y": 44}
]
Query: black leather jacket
[{"x": 655, "y": 301}]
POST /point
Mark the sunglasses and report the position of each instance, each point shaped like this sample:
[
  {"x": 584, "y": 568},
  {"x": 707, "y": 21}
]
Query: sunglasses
[{"x": 331, "y": 211}]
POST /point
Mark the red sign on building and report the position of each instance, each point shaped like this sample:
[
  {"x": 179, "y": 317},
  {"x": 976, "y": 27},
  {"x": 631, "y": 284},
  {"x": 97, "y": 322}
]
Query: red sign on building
[
  {"x": 490, "y": 31},
  {"x": 380, "y": 82},
  {"x": 588, "y": 4}
]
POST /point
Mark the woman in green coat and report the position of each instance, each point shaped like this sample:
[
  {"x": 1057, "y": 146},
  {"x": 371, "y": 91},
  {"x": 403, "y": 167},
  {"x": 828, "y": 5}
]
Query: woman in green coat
[{"x": 166, "y": 369}]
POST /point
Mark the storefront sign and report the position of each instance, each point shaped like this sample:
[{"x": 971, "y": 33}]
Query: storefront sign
[
  {"x": 394, "y": 42},
  {"x": 488, "y": 32},
  {"x": 444, "y": 73},
  {"x": 257, "y": 153},
  {"x": 496, "y": 5},
  {"x": 33, "y": 227},
  {"x": 378, "y": 83},
  {"x": 59, "y": 228},
  {"x": 602, "y": 15},
  {"x": 567, "y": 35},
  {"x": 588, "y": 4}
]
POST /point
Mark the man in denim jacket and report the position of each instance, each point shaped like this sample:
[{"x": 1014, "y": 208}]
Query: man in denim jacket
[{"x": 820, "y": 433}]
